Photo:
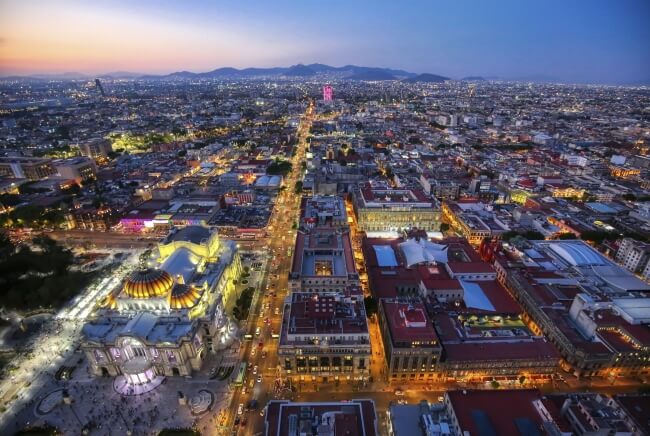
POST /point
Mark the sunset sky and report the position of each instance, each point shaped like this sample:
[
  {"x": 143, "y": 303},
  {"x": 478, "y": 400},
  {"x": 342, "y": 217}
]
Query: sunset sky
[{"x": 570, "y": 40}]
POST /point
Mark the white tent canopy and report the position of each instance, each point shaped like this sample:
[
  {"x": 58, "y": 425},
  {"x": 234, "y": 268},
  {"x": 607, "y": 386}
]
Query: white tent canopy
[{"x": 423, "y": 251}]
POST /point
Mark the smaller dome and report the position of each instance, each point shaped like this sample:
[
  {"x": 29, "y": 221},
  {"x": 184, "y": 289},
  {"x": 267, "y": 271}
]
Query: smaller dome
[
  {"x": 184, "y": 297},
  {"x": 148, "y": 283}
]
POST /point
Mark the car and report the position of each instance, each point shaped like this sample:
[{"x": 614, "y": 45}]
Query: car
[
  {"x": 263, "y": 412},
  {"x": 253, "y": 352},
  {"x": 259, "y": 378},
  {"x": 255, "y": 370},
  {"x": 243, "y": 422},
  {"x": 243, "y": 390},
  {"x": 277, "y": 311},
  {"x": 240, "y": 409},
  {"x": 399, "y": 392}
]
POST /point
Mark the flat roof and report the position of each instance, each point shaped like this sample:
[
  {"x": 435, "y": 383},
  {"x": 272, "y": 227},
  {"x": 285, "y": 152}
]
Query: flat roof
[
  {"x": 408, "y": 323},
  {"x": 351, "y": 418},
  {"x": 502, "y": 412},
  {"x": 323, "y": 314}
]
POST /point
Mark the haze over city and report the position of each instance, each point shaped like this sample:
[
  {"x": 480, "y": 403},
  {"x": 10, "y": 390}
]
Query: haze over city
[{"x": 573, "y": 42}]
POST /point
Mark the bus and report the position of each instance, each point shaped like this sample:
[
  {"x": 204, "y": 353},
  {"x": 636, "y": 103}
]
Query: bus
[{"x": 239, "y": 380}]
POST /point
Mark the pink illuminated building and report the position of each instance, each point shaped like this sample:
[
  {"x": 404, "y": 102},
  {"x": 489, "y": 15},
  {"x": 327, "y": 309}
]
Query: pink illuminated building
[{"x": 328, "y": 93}]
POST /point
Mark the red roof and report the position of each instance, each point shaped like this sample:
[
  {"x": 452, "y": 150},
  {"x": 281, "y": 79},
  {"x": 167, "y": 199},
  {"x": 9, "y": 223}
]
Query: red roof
[
  {"x": 400, "y": 315},
  {"x": 501, "y": 410}
]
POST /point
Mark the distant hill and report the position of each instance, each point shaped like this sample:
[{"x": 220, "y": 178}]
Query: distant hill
[
  {"x": 351, "y": 72},
  {"x": 299, "y": 70},
  {"x": 372, "y": 75},
  {"x": 426, "y": 78}
]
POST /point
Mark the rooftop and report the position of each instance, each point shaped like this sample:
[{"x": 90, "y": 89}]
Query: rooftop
[
  {"x": 409, "y": 324},
  {"x": 350, "y": 418},
  {"x": 503, "y": 412}
]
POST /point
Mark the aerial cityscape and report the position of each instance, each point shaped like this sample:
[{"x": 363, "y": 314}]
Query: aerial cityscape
[{"x": 360, "y": 218}]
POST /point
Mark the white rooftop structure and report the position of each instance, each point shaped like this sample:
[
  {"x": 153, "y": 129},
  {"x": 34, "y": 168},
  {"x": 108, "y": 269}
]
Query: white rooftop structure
[{"x": 422, "y": 251}]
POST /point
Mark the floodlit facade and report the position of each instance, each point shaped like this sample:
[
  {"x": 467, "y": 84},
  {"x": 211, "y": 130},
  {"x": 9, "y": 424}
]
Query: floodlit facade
[
  {"x": 324, "y": 337},
  {"x": 169, "y": 313},
  {"x": 389, "y": 209}
]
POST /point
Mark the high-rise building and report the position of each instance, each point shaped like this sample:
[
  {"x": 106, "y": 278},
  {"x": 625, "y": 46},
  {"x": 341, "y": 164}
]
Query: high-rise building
[
  {"x": 328, "y": 93},
  {"x": 96, "y": 148},
  {"x": 32, "y": 168},
  {"x": 635, "y": 256}
]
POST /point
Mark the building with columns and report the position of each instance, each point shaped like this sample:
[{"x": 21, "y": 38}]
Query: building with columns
[
  {"x": 324, "y": 337},
  {"x": 169, "y": 313}
]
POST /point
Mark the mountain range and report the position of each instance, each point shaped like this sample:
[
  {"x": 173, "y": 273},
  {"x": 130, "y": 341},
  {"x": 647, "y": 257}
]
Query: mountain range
[{"x": 350, "y": 72}]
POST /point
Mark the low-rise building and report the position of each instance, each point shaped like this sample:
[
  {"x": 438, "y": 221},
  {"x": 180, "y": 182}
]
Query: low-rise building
[
  {"x": 79, "y": 169},
  {"x": 350, "y": 418},
  {"x": 503, "y": 412},
  {"x": 382, "y": 208},
  {"x": 590, "y": 308},
  {"x": 473, "y": 220},
  {"x": 411, "y": 345},
  {"x": 323, "y": 211},
  {"x": 323, "y": 261},
  {"x": 32, "y": 168},
  {"x": 324, "y": 337}
]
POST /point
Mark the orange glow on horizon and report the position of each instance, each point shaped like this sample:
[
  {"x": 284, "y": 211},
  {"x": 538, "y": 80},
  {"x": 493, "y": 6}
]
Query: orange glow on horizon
[{"x": 41, "y": 37}]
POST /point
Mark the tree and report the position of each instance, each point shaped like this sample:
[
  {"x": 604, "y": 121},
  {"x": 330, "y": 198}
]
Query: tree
[
  {"x": 533, "y": 235},
  {"x": 444, "y": 227},
  {"x": 279, "y": 167},
  {"x": 181, "y": 153},
  {"x": 371, "y": 306},
  {"x": 298, "y": 188},
  {"x": 596, "y": 236},
  {"x": 522, "y": 379},
  {"x": 566, "y": 236},
  {"x": 494, "y": 384},
  {"x": 9, "y": 200},
  {"x": 629, "y": 197}
]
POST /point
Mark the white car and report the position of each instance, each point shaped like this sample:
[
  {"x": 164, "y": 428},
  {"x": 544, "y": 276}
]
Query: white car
[
  {"x": 240, "y": 409},
  {"x": 259, "y": 378},
  {"x": 255, "y": 370}
]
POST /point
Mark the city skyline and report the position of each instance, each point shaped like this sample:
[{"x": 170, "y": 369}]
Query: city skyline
[{"x": 508, "y": 41}]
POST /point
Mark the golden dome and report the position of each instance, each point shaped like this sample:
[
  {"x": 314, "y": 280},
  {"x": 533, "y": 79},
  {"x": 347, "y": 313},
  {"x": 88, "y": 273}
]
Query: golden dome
[
  {"x": 148, "y": 283},
  {"x": 184, "y": 297}
]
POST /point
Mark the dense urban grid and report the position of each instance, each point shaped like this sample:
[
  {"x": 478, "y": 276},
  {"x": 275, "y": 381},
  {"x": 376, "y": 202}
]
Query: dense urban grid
[{"x": 310, "y": 255}]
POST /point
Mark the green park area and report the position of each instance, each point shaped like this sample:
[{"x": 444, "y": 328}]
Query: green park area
[
  {"x": 139, "y": 143},
  {"x": 38, "y": 275}
]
